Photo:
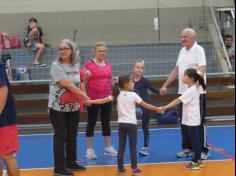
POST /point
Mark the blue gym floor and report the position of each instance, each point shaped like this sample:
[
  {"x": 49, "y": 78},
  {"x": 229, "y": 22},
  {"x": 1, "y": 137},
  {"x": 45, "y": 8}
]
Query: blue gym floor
[{"x": 36, "y": 150}]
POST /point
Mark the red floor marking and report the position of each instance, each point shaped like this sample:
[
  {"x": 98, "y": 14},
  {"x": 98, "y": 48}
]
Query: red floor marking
[{"x": 221, "y": 152}]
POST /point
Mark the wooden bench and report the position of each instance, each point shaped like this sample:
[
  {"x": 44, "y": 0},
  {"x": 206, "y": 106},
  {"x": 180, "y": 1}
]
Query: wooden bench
[{"x": 218, "y": 102}]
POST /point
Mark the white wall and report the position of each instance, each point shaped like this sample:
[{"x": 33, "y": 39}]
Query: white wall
[
  {"x": 28, "y": 6},
  {"x": 114, "y": 21}
]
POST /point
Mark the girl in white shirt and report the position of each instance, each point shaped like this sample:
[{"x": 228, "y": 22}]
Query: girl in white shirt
[
  {"x": 191, "y": 113},
  {"x": 126, "y": 102}
]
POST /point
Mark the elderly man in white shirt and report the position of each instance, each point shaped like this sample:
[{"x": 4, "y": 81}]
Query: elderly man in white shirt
[{"x": 191, "y": 55}]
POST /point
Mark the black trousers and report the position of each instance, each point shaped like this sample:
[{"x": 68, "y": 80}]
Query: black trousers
[
  {"x": 65, "y": 126},
  {"x": 145, "y": 126},
  {"x": 130, "y": 130},
  {"x": 186, "y": 142},
  {"x": 93, "y": 111},
  {"x": 194, "y": 136}
]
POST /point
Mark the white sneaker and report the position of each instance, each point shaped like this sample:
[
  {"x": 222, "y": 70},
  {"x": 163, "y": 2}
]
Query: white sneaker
[
  {"x": 185, "y": 153},
  {"x": 205, "y": 155},
  {"x": 79, "y": 161},
  {"x": 110, "y": 151},
  {"x": 144, "y": 151},
  {"x": 90, "y": 154}
]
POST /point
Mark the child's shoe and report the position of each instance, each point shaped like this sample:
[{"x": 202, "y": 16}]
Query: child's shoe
[
  {"x": 121, "y": 171},
  {"x": 200, "y": 163},
  {"x": 192, "y": 166},
  {"x": 136, "y": 172},
  {"x": 144, "y": 151}
]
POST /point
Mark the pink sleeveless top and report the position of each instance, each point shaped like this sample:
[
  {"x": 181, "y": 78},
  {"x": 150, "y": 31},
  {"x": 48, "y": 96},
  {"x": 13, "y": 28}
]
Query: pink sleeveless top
[{"x": 99, "y": 83}]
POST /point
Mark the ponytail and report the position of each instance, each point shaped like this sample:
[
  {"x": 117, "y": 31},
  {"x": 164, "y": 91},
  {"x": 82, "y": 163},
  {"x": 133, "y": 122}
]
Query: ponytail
[
  {"x": 192, "y": 73},
  {"x": 201, "y": 81},
  {"x": 122, "y": 80},
  {"x": 115, "y": 92}
]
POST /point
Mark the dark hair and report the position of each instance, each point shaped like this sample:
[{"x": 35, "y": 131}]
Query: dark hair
[
  {"x": 122, "y": 80},
  {"x": 33, "y": 19},
  {"x": 228, "y": 36},
  {"x": 192, "y": 73}
]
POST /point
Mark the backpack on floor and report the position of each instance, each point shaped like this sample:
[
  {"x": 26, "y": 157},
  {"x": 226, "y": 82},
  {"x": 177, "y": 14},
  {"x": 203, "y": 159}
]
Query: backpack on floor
[{"x": 169, "y": 117}]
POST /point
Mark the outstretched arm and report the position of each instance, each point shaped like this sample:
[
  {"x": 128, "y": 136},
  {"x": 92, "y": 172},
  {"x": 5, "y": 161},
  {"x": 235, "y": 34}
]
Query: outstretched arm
[
  {"x": 152, "y": 88},
  {"x": 100, "y": 101},
  {"x": 172, "y": 104},
  {"x": 150, "y": 107}
]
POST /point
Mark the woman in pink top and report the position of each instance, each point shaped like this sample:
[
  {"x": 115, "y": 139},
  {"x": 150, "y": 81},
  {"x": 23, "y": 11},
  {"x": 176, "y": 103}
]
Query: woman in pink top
[{"x": 98, "y": 86}]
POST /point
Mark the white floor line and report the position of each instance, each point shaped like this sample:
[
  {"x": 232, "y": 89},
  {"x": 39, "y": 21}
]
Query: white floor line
[
  {"x": 162, "y": 163},
  {"x": 159, "y": 129}
]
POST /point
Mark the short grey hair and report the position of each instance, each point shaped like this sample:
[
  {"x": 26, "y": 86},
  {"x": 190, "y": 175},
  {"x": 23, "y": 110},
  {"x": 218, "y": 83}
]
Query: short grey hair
[
  {"x": 74, "y": 59},
  {"x": 191, "y": 32}
]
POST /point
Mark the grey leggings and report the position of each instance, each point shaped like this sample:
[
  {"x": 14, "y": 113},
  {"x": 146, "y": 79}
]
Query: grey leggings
[{"x": 130, "y": 130}]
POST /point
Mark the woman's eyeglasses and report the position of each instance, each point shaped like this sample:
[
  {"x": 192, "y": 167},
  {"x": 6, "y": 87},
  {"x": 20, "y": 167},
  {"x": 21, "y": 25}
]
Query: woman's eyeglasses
[{"x": 63, "y": 49}]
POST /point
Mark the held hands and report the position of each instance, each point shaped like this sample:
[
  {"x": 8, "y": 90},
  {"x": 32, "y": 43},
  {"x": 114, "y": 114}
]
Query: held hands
[
  {"x": 162, "y": 109},
  {"x": 88, "y": 102},
  {"x": 86, "y": 99}
]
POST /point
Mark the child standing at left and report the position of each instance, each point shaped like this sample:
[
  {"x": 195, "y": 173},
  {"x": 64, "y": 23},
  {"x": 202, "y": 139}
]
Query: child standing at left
[
  {"x": 126, "y": 103},
  {"x": 141, "y": 86},
  {"x": 8, "y": 126}
]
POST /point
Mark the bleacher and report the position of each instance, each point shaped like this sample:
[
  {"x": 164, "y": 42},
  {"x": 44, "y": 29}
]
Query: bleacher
[
  {"x": 159, "y": 58},
  {"x": 31, "y": 111},
  {"x": 32, "y": 97}
]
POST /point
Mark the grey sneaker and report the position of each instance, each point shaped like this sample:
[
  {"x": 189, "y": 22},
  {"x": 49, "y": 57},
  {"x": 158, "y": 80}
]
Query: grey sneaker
[
  {"x": 144, "y": 151},
  {"x": 205, "y": 155},
  {"x": 185, "y": 153}
]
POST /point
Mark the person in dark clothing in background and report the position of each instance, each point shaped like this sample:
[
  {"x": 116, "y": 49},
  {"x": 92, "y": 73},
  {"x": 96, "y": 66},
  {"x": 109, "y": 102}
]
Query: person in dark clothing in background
[{"x": 141, "y": 86}]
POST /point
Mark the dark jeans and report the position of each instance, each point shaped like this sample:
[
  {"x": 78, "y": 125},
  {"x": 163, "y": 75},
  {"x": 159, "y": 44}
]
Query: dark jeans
[
  {"x": 105, "y": 119},
  {"x": 65, "y": 125},
  {"x": 130, "y": 130},
  {"x": 194, "y": 137},
  {"x": 145, "y": 126},
  {"x": 186, "y": 143}
]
